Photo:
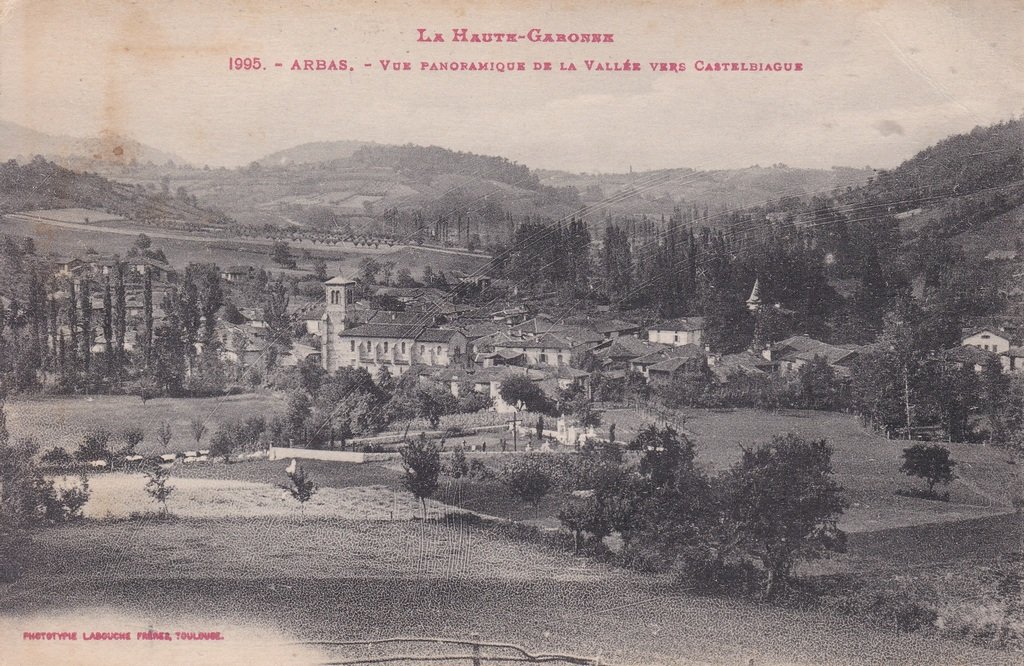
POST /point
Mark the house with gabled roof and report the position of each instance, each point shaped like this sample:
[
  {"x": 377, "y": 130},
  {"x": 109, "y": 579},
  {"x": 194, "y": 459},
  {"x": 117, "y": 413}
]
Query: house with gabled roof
[{"x": 678, "y": 332}]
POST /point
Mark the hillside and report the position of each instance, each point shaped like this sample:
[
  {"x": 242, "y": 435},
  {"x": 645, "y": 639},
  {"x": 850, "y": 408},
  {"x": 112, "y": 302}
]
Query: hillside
[
  {"x": 41, "y": 185},
  {"x": 650, "y": 191},
  {"x": 966, "y": 186},
  {"x": 109, "y": 148},
  {"x": 311, "y": 153}
]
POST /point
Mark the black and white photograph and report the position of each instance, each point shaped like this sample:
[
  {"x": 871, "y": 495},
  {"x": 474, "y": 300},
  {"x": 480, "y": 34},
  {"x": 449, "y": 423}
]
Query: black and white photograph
[{"x": 636, "y": 333}]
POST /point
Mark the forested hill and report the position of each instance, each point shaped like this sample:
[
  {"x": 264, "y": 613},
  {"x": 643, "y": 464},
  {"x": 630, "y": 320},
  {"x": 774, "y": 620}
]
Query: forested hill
[
  {"x": 41, "y": 184},
  {"x": 961, "y": 184},
  {"x": 986, "y": 157},
  {"x": 423, "y": 163}
]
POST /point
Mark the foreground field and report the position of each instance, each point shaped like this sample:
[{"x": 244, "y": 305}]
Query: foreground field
[
  {"x": 118, "y": 495},
  {"x": 330, "y": 579},
  {"x": 62, "y": 421}
]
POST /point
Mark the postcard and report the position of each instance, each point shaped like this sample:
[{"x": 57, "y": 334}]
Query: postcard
[{"x": 637, "y": 332}]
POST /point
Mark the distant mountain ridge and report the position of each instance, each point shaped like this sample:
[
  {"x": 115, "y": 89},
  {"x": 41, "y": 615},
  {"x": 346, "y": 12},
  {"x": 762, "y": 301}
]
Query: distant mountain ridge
[
  {"x": 314, "y": 152},
  {"x": 23, "y": 143}
]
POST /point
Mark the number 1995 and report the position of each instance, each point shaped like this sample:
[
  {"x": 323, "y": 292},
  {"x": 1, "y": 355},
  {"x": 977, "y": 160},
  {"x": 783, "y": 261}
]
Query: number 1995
[{"x": 244, "y": 63}]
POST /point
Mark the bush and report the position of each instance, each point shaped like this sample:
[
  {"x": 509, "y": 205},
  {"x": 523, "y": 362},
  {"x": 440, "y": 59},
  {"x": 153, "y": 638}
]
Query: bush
[
  {"x": 58, "y": 458},
  {"x": 528, "y": 479},
  {"x": 457, "y": 465},
  {"x": 479, "y": 470},
  {"x": 62, "y": 505},
  {"x": 95, "y": 446}
]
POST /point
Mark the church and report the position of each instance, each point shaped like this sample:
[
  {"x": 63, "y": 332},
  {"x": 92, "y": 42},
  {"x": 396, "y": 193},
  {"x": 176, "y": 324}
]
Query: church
[{"x": 396, "y": 347}]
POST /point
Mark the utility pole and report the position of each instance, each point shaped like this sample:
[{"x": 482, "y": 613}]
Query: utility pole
[{"x": 515, "y": 430}]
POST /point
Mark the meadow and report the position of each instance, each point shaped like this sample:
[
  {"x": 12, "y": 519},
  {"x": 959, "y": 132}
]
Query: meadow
[
  {"x": 181, "y": 250},
  {"x": 63, "y": 421}
]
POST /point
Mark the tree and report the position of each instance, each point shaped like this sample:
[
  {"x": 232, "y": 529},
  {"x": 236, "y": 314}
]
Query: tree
[
  {"x": 663, "y": 452},
  {"x": 523, "y": 393},
  {"x": 527, "y": 479},
  {"x": 18, "y": 500},
  {"x": 133, "y": 436},
  {"x": 279, "y": 323},
  {"x": 164, "y": 434},
  {"x": 223, "y": 443},
  {"x": 157, "y": 488},
  {"x": 197, "y": 426},
  {"x": 421, "y": 460},
  {"x": 281, "y": 254},
  {"x": 784, "y": 505},
  {"x": 458, "y": 467},
  {"x": 94, "y": 446},
  {"x": 299, "y": 486},
  {"x": 584, "y": 515},
  {"x": 208, "y": 293},
  {"x": 147, "y": 316},
  {"x": 930, "y": 462},
  {"x": 85, "y": 308},
  {"x": 120, "y": 317},
  {"x": 320, "y": 269}
]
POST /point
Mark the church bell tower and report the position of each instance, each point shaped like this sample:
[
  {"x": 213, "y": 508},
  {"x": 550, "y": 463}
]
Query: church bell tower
[{"x": 338, "y": 292}]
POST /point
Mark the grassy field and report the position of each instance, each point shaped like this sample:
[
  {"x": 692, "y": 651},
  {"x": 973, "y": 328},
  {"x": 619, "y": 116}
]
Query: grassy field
[
  {"x": 866, "y": 465},
  {"x": 341, "y": 260},
  {"x": 120, "y": 495},
  {"x": 320, "y": 579},
  {"x": 62, "y": 421}
]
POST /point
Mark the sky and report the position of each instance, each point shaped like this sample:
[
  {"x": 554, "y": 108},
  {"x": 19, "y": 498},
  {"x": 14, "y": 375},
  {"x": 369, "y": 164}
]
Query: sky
[{"x": 880, "y": 81}]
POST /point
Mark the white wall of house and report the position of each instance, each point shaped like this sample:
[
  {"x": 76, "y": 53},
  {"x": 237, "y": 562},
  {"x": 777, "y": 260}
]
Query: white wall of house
[
  {"x": 987, "y": 340},
  {"x": 677, "y": 338}
]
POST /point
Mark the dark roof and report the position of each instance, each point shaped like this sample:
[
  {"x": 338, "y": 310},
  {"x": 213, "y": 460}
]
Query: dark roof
[
  {"x": 419, "y": 333},
  {"x": 681, "y": 324},
  {"x": 614, "y": 325},
  {"x": 630, "y": 347},
  {"x": 404, "y": 331},
  {"x": 435, "y": 335},
  {"x": 681, "y": 352}
]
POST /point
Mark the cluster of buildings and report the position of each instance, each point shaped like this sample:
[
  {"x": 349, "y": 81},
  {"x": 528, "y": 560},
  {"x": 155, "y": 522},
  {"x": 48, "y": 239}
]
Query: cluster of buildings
[{"x": 477, "y": 350}]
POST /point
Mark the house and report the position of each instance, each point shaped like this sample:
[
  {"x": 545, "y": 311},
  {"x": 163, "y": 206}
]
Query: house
[
  {"x": 692, "y": 362},
  {"x": 678, "y": 332},
  {"x": 66, "y": 266},
  {"x": 624, "y": 349},
  {"x": 547, "y": 349},
  {"x": 310, "y": 314},
  {"x": 614, "y": 328},
  {"x": 299, "y": 353},
  {"x": 794, "y": 352},
  {"x": 239, "y": 273},
  {"x": 724, "y": 367},
  {"x": 987, "y": 339},
  {"x": 969, "y": 356},
  {"x": 511, "y": 315},
  {"x": 1002, "y": 255},
  {"x": 1013, "y": 360},
  {"x": 687, "y": 353}
]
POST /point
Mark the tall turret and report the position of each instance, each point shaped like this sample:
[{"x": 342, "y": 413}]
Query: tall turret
[
  {"x": 338, "y": 292},
  {"x": 754, "y": 302}
]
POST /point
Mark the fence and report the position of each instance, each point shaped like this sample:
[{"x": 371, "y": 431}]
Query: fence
[{"x": 479, "y": 652}]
